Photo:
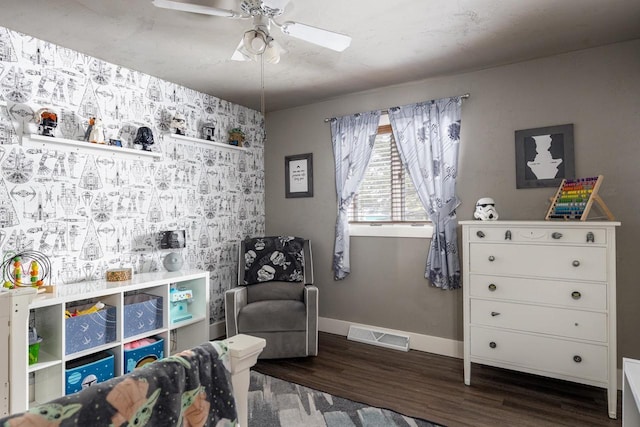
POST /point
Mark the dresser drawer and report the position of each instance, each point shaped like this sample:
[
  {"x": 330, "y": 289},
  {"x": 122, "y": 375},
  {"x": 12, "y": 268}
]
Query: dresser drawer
[
  {"x": 581, "y": 295},
  {"x": 554, "y": 355},
  {"x": 585, "y": 325},
  {"x": 562, "y": 262},
  {"x": 486, "y": 233}
]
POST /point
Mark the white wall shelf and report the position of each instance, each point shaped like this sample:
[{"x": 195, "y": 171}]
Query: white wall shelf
[
  {"x": 48, "y": 143},
  {"x": 205, "y": 142}
]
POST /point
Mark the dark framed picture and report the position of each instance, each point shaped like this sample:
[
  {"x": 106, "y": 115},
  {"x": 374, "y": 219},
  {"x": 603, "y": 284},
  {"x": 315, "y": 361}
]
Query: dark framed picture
[
  {"x": 298, "y": 170},
  {"x": 174, "y": 239},
  {"x": 544, "y": 156}
]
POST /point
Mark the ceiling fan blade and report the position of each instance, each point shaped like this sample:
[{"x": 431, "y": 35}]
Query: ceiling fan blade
[
  {"x": 324, "y": 38},
  {"x": 196, "y": 8}
]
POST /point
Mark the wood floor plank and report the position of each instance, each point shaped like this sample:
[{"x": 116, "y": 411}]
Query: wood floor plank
[{"x": 431, "y": 387}]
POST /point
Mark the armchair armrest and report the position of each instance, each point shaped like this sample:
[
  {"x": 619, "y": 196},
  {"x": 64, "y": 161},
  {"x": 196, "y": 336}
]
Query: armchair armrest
[
  {"x": 234, "y": 300},
  {"x": 311, "y": 302}
]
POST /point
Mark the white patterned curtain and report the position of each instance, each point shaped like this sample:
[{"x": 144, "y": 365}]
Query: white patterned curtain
[
  {"x": 353, "y": 138},
  {"x": 428, "y": 136}
]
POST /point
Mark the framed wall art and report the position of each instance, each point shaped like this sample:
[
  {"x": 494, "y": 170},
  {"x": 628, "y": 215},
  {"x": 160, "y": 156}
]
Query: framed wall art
[
  {"x": 544, "y": 156},
  {"x": 298, "y": 171}
]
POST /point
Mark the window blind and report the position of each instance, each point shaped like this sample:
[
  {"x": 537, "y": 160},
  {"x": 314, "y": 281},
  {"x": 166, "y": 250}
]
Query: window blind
[{"x": 386, "y": 193}]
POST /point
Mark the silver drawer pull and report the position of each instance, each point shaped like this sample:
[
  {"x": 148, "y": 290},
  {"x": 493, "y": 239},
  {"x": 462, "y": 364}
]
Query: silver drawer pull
[
  {"x": 492, "y": 258},
  {"x": 591, "y": 238},
  {"x": 492, "y": 287},
  {"x": 507, "y": 235},
  {"x": 495, "y": 313},
  {"x": 576, "y": 295},
  {"x": 480, "y": 234},
  {"x": 493, "y": 344},
  {"x": 556, "y": 235},
  {"x": 577, "y": 359},
  {"x": 575, "y": 263}
]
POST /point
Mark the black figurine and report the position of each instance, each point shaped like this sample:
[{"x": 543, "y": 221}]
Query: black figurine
[{"x": 144, "y": 137}]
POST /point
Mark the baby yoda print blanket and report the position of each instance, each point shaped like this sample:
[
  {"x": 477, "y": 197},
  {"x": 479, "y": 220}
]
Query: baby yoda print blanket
[
  {"x": 189, "y": 389},
  {"x": 270, "y": 258}
]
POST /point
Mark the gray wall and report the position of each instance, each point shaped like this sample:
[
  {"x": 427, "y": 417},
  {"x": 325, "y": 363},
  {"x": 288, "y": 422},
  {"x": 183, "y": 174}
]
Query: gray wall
[{"x": 597, "y": 90}]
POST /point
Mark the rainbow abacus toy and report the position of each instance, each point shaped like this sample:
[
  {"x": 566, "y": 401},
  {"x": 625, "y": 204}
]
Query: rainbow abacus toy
[{"x": 574, "y": 199}]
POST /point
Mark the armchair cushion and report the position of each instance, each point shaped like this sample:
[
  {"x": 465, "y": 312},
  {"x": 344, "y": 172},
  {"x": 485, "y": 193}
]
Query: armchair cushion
[
  {"x": 273, "y": 316},
  {"x": 278, "y": 258}
]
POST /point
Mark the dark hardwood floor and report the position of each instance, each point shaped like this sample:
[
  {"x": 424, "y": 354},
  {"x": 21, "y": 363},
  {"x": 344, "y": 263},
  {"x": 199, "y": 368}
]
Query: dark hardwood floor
[{"x": 431, "y": 387}]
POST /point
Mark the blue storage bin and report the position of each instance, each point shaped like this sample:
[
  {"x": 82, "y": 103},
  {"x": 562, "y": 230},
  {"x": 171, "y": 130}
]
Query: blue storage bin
[
  {"x": 87, "y": 371},
  {"x": 89, "y": 330},
  {"x": 142, "y": 313},
  {"x": 142, "y": 355}
]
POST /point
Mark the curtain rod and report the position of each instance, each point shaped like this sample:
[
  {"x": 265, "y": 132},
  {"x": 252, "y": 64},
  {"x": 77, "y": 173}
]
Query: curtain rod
[{"x": 465, "y": 96}]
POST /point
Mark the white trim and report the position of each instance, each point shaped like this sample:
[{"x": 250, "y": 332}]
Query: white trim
[
  {"x": 48, "y": 142},
  {"x": 420, "y": 342},
  {"x": 420, "y": 231},
  {"x": 204, "y": 142},
  {"x": 217, "y": 329}
]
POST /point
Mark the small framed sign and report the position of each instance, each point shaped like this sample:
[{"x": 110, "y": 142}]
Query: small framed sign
[{"x": 298, "y": 170}]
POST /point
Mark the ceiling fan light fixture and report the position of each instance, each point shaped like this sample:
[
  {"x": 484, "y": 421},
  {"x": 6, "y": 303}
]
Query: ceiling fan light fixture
[
  {"x": 255, "y": 42},
  {"x": 272, "y": 52}
]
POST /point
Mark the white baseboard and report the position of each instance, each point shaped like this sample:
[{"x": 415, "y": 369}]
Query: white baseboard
[
  {"x": 420, "y": 342},
  {"x": 217, "y": 329}
]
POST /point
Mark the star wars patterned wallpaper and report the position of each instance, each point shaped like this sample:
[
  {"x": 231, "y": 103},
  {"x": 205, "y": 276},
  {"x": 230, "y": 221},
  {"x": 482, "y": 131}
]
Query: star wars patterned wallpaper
[{"x": 89, "y": 212}]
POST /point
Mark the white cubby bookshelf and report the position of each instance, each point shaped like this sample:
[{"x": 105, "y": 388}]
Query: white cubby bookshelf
[{"x": 47, "y": 312}]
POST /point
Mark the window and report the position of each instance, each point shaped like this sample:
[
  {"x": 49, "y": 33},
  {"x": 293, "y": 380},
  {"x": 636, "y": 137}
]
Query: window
[{"x": 387, "y": 194}]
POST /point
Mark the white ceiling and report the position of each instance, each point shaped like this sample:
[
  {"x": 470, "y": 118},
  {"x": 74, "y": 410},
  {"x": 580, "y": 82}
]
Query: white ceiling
[{"x": 394, "y": 41}]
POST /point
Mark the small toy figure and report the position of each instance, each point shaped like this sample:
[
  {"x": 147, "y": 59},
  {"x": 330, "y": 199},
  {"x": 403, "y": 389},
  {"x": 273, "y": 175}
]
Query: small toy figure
[
  {"x": 47, "y": 121},
  {"x": 97, "y": 132},
  {"x": 144, "y": 137},
  {"x": 208, "y": 131},
  {"x": 486, "y": 209},
  {"x": 179, "y": 123},
  {"x": 236, "y": 137},
  {"x": 87, "y": 134}
]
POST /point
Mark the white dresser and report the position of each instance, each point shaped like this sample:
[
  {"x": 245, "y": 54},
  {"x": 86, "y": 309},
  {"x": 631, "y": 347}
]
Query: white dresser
[{"x": 540, "y": 297}]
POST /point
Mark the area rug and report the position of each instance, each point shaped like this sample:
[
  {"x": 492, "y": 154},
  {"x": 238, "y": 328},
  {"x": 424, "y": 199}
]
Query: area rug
[{"x": 277, "y": 403}]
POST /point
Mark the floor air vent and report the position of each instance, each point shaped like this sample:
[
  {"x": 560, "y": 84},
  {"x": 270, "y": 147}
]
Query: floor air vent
[{"x": 381, "y": 338}]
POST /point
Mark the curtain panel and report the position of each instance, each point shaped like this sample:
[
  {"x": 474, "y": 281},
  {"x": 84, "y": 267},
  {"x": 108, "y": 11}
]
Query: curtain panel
[
  {"x": 352, "y": 138},
  {"x": 428, "y": 135}
]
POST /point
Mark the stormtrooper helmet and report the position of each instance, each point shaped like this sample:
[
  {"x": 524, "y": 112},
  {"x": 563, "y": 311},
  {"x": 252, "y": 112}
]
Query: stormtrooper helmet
[
  {"x": 486, "y": 209},
  {"x": 179, "y": 123}
]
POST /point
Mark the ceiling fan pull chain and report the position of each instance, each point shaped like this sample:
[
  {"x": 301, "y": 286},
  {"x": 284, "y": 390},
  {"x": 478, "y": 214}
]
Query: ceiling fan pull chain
[{"x": 262, "y": 107}]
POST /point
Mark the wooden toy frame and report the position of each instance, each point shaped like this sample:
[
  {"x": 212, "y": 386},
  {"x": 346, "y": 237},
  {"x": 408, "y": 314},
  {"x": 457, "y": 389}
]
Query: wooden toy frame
[{"x": 574, "y": 199}]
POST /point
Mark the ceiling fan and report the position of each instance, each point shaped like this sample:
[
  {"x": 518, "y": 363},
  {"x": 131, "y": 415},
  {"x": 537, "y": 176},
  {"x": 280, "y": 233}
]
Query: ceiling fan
[{"x": 258, "y": 41}]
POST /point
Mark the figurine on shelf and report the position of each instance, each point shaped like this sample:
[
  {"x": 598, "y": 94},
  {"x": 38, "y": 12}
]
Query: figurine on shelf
[
  {"x": 97, "y": 132},
  {"x": 144, "y": 137},
  {"x": 208, "y": 131},
  {"x": 47, "y": 121},
  {"x": 236, "y": 137},
  {"x": 87, "y": 133},
  {"x": 179, "y": 123}
]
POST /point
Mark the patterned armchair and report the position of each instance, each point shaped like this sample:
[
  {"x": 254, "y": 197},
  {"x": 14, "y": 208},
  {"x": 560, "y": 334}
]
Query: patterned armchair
[{"x": 275, "y": 298}]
